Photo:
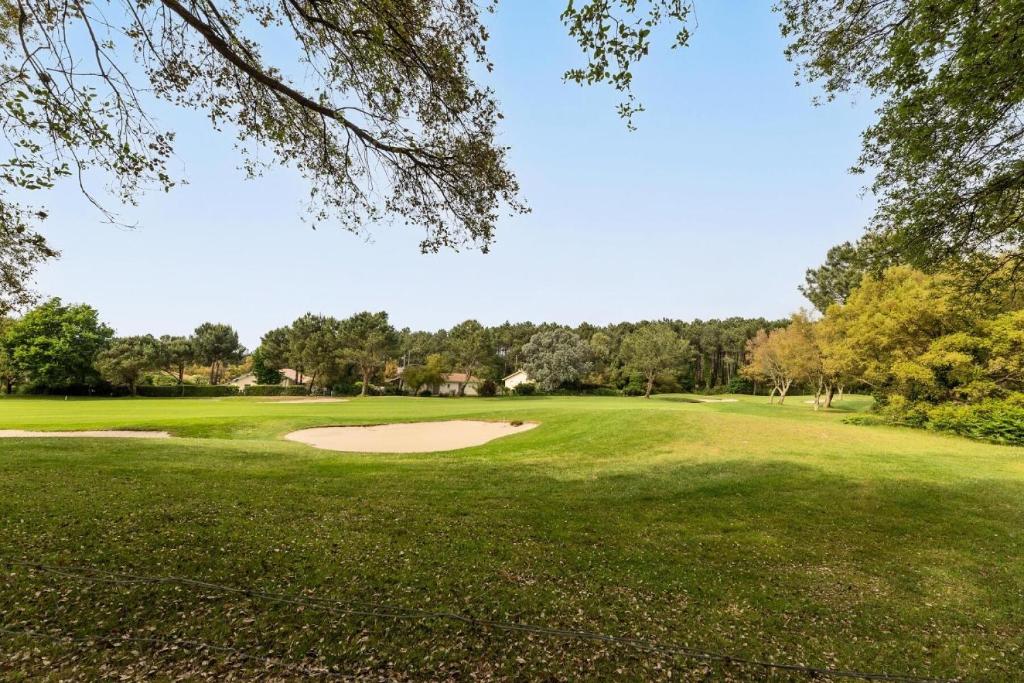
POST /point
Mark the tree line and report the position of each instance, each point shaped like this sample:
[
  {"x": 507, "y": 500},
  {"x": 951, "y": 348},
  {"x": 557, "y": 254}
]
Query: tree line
[{"x": 60, "y": 347}]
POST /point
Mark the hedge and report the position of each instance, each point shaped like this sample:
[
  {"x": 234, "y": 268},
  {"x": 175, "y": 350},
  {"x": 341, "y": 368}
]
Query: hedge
[
  {"x": 188, "y": 391},
  {"x": 274, "y": 390}
]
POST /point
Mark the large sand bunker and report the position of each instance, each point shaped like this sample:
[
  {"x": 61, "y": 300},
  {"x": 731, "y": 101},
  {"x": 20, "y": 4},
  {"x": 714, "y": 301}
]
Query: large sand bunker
[
  {"x": 103, "y": 434},
  {"x": 413, "y": 437}
]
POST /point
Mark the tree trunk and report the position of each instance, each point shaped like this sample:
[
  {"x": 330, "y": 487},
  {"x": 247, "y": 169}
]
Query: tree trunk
[
  {"x": 366, "y": 381},
  {"x": 650, "y": 386},
  {"x": 829, "y": 393},
  {"x": 783, "y": 391}
]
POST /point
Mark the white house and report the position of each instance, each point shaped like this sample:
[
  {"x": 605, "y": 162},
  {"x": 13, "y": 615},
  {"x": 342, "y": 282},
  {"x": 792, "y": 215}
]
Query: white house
[
  {"x": 515, "y": 379},
  {"x": 289, "y": 378},
  {"x": 248, "y": 379},
  {"x": 449, "y": 385}
]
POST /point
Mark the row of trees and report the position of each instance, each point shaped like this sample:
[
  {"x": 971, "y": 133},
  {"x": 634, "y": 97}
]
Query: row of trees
[
  {"x": 57, "y": 345},
  {"x": 908, "y": 337},
  {"x": 323, "y": 349}
]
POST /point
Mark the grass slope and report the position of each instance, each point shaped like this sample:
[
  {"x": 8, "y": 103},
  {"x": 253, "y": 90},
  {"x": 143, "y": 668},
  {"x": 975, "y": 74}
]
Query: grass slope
[{"x": 764, "y": 532}]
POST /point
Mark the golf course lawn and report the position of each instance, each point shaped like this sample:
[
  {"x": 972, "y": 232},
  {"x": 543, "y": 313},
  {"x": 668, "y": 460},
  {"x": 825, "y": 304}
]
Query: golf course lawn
[{"x": 762, "y": 532}]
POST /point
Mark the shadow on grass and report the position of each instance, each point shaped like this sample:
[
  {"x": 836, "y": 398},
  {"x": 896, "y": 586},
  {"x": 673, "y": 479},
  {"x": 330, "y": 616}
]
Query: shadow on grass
[{"x": 765, "y": 559}]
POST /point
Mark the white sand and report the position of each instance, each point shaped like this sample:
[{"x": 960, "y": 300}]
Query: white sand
[
  {"x": 104, "y": 434},
  {"x": 415, "y": 437},
  {"x": 310, "y": 400},
  {"x": 718, "y": 400}
]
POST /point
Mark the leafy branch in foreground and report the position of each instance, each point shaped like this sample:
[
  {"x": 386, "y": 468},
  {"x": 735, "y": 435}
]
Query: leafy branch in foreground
[
  {"x": 948, "y": 145},
  {"x": 372, "y": 101},
  {"x": 614, "y": 35}
]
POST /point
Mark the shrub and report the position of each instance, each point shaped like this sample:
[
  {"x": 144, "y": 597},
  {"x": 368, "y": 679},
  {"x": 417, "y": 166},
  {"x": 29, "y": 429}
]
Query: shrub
[
  {"x": 487, "y": 388},
  {"x": 739, "y": 385},
  {"x": 274, "y": 390},
  {"x": 636, "y": 386},
  {"x": 425, "y": 393},
  {"x": 898, "y": 410},
  {"x": 995, "y": 421},
  {"x": 526, "y": 389},
  {"x": 345, "y": 389}
]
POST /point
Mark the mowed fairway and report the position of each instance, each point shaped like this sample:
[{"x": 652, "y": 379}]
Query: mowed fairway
[{"x": 766, "y": 533}]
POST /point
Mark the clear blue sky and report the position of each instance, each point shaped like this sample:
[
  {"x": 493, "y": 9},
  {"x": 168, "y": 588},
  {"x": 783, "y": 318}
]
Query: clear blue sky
[{"x": 733, "y": 185}]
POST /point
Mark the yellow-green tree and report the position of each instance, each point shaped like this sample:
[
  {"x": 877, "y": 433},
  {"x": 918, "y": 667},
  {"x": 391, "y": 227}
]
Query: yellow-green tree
[
  {"x": 923, "y": 337},
  {"x": 784, "y": 356}
]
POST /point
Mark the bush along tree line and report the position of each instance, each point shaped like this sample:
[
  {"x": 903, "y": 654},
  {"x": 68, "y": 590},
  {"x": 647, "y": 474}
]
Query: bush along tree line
[{"x": 60, "y": 348}]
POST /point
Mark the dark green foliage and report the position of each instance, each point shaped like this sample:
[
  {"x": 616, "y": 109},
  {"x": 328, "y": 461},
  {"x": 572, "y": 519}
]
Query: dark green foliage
[
  {"x": 739, "y": 385},
  {"x": 56, "y": 345},
  {"x": 264, "y": 373},
  {"x": 274, "y": 390},
  {"x": 188, "y": 391},
  {"x": 636, "y": 386},
  {"x": 125, "y": 360},
  {"x": 845, "y": 265},
  {"x": 471, "y": 347},
  {"x": 173, "y": 355},
  {"x": 216, "y": 345},
  {"x": 526, "y": 389},
  {"x": 487, "y": 388},
  {"x": 367, "y": 341}
]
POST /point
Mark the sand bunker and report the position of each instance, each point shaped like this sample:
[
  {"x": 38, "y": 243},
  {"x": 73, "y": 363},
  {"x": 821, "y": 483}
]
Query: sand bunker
[
  {"x": 103, "y": 434},
  {"x": 717, "y": 400},
  {"x": 310, "y": 400},
  {"x": 415, "y": 437}
]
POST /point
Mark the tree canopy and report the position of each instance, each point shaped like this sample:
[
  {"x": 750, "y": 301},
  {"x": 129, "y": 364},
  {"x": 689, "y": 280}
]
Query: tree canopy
[
  {"x": 368, "y": 340},
  {"x": 378, "y": 105},
  {"x": 216, "y": 345},
  {"x": 948, "y": 145},
  {"x": 125, "y": 360},
  {"x": 651, "y": 350},
  {"x": 556, "y": 357},
  {"x": 55, "y": 344}
]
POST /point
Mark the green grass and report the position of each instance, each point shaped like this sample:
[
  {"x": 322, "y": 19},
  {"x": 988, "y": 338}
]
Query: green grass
[{"x": 765, "y": 532}]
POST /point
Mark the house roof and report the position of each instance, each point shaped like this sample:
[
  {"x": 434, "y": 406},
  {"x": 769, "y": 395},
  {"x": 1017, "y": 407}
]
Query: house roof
[
  {"x": 293, "y": 375},
  {"x": 520, "y": 370},
  {"x": 459, "y": 377}
]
